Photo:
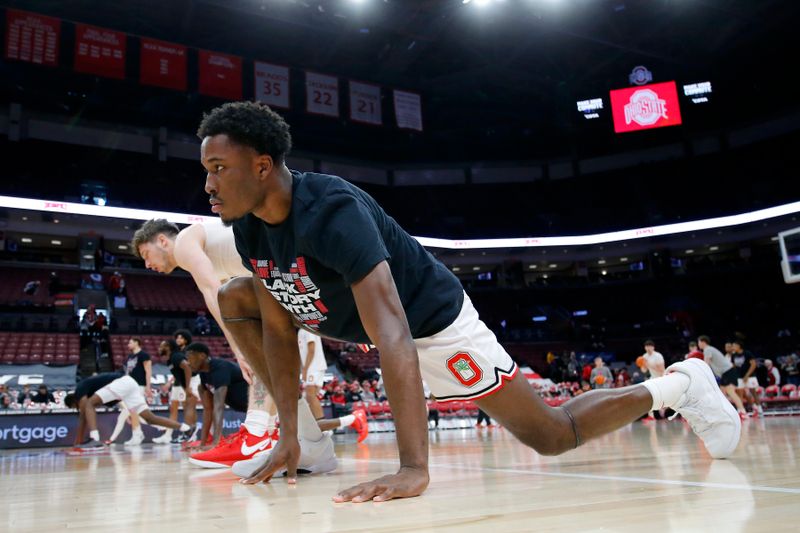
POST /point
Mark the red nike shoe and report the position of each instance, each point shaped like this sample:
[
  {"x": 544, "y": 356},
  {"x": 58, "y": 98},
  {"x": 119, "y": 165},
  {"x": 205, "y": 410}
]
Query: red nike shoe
[
  {"x": 360, "y": 424},
  {"x": 240, "y": 447}
]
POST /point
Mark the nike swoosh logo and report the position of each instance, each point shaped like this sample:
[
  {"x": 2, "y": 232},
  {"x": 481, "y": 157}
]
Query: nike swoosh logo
[{"x": 249, "y": 450}]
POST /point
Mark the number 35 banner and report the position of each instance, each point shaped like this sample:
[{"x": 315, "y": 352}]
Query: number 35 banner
[
  {"x": 365, "y": 103},
  {"x": 272, "y": 84},
  {"x": 322, "y": 94}
]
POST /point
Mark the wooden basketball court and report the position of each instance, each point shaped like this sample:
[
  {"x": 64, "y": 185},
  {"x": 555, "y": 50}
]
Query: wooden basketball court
[{"x": 650, "y": 476}]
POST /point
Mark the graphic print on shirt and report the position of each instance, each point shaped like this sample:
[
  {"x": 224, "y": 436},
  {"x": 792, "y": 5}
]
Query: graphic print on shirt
[{"x": 294, "y": 290}]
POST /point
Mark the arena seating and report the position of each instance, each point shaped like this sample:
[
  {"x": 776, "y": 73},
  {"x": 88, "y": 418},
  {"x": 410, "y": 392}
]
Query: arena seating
[
  {"x": 162, "y": 293},
  {"x": 119, "y": 346},
  {"x": 34, "y": 348}
]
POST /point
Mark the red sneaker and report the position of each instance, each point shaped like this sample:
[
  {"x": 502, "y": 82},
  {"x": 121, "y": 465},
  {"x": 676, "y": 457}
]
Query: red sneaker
[
  {"x": 239, "y": 447},
  {"x": 196, "y": 443},
  {"x": 360, "y": 424}
]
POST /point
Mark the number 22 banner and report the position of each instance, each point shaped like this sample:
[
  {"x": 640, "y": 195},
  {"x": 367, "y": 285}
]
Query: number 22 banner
[
  {"x": 322, "y": 94},
  {"x": 365, "y": 103}
]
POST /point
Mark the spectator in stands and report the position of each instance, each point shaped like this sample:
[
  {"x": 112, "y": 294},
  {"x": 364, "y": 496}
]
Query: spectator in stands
[
  {"x": 483, "y": 416},
  {"x": 100, "y": 324},
  {"x": 4, "y": 391},
  {"x": 54, "y": 285},
  {"x": 694, "y": 352},
  {"x": 354, "y": 393},
  {"x": 25, "y": 396},
  {"x": 773, "y": 374},
  {"x": 5, "y": 402},
  {"x": 586, "y": 374},
  {"x": 117, "y": 285},
  {"x": 601, "y": 377},
  {"x": 557, "y": 369},
  {"x": 791, "y": 369},
  {"x": 368, "y": 392},
  {"x": 202, "y": 326},
  {"x": 338, "y": 400},
  {"x": 43, "y": 396},
  {"x": 623, "y": 378},
  {"x": 573, "y": 368}
]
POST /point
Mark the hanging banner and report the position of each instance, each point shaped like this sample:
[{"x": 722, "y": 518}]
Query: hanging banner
[
  {"x": 163, "y": 64},
  {"x": 32, "y": 37},
  {"x": 100, "y": 51},
  {"x": 322, "y": 94},
  {"x": 408, "y": 110},
  {"x": 272, "y": 84},
  {"x": 365, "y": 103},
  {"x": 220, "y": 75}
]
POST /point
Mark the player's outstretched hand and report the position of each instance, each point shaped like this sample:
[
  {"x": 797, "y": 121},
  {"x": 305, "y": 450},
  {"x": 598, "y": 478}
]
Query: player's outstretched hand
[
  {"x": 406, "y": 483},
  {"x": 247, "y": 372},
  {"x": 285, "y": 454}
]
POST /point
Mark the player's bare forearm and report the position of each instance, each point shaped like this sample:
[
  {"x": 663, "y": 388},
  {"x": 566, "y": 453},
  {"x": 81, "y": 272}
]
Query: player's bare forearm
[
  {"x": 219, "y": 412},
  {"x": 279, "y": 343},
  {"x": 208, "y": 407},
  {"x": 284, "y": 370},
  {"x": 403, "y": 384}
]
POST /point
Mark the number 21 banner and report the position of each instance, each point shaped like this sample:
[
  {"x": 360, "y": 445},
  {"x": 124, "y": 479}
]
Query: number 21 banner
[
  {"x": 365, "y": 103},
  {"x": 322, "y": 94},
  {"x": 272, "y": 84}
]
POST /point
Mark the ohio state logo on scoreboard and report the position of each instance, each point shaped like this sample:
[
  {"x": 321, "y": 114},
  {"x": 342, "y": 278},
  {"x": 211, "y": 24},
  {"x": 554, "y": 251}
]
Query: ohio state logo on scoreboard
[
  {"x": 465, "y": 369},
  {"x": 645, "y": 108},
  {"x": 640, "y": 108}
]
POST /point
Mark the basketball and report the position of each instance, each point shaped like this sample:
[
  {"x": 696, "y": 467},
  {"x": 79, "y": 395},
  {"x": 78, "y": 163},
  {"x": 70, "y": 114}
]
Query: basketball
[
  {"x": 640, "y": 361},
  {"x": 600, "y": 379}
]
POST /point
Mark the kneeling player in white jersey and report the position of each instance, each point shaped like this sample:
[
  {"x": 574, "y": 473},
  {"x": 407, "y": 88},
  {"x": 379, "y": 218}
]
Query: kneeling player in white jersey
[
  {"x": 207, "y": 251},
  {"x": 106, "y": 388}
]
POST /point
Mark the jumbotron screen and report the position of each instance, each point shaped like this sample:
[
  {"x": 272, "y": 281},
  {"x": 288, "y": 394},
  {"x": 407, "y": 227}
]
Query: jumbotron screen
[{"x": 645, "y": 107}]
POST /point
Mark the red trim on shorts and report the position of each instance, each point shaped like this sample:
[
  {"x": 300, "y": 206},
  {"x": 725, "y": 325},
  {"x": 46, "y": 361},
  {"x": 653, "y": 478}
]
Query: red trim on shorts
[{"x": 504, "y": 379}]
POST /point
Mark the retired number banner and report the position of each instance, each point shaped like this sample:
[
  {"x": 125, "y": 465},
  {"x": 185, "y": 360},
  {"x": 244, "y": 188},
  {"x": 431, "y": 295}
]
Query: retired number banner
[
  {"x": 408, "y": 110},
  {"x": 272, "y": 84},
  {"x": 365, "y": 103},
  {"x": 322, "y": 94}
]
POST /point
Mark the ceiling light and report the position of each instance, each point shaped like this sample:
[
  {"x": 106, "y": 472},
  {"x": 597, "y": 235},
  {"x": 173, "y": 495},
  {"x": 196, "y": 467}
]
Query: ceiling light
[
  {"x": 623, "y": 259},
  {"x": 26, "y": 240},
  {"x": 57, "y": 243},
  {"x": 601, "y": 262},
  {"x": 713, "y": 248}
]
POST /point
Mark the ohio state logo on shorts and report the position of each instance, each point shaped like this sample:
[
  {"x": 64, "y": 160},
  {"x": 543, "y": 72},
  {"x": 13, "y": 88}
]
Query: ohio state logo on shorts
[{"x": 465, "y": 369}]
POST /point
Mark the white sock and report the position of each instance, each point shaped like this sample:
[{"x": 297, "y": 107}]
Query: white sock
[
  {"x": 667, "y": 390},
  {"x": 94, "y": 434},
  {"x": 345, "y": 421},
  {"x": 307, "y": 427},
  {"x": 271, "y": 423},
  {"x": 256, "y": 422},
  {"x": 184, "y": 427}
]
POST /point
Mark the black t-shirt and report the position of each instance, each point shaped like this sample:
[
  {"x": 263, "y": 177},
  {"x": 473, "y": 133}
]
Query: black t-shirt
[
  {"x": 334, "y": 236},
  {"x": 134, "y": 367},
  {"x": 89, "y": 386},
  {"x": 742, "y": 362},
  {"x": 174, "y": 365},
  {"x": 227, "y": 374},
  {"x": 43, "y": 398}
]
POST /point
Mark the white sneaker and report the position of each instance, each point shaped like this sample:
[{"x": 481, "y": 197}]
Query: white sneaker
[
  {"x": 707, "y": 410},
  {"x": 315, "y": 458},
  {"x": 135, "y": 440},
  {"x": 166, "y": 438}
]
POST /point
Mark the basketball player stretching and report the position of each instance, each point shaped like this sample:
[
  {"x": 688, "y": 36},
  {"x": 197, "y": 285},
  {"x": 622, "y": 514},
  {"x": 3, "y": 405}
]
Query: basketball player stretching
[{"x": 325, "y": 255}]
